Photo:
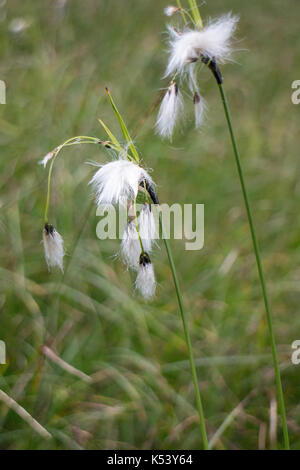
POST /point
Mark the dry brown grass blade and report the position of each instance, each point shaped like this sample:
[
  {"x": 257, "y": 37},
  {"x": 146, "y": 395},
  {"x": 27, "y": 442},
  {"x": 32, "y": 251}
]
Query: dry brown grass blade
[
  {"x": 13, "y": 405},
  {"x": 65, "y": 365},
  {"x": 273, "y": 423}
]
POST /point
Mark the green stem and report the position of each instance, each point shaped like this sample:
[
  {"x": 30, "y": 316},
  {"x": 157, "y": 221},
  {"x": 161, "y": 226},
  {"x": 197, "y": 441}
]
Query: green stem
[
  {"x": 48, "y": 193},
  {"x": 78, "y": 140},
  {"x": 181, "y": 11},
  {"x": 184, "y": 13},
  {"x": 259, "y": 267},
  {"x": 137, "y": 227},
  {"x": 187, "y": 338},
  {"x": 196, "y": 13}
]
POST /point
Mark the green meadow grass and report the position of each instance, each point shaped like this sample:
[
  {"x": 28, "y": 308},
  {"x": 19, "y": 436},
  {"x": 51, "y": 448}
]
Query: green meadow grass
[{"x": 136, "y": 391}]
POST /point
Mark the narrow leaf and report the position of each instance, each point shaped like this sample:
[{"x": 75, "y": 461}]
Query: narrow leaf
[
  {"x": 123, "y": 128},
  {"x": 111, "y": 135}
]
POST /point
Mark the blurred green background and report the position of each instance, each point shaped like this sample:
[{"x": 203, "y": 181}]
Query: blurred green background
[{"x": 135, "y": 390}]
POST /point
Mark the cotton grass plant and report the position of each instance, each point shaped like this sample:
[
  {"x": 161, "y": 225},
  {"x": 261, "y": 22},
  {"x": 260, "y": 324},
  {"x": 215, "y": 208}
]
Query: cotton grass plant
[
  {"x": 120, "y": 182},
  {"x": 210, "y": 44}
]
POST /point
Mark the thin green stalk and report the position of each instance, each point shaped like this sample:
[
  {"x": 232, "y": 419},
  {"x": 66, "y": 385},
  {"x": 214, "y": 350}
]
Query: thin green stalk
[
  {"x": 137, "y": 228},
  {"x": 196, "y": 13},
  {"x": 187, "y": 338},
  {"x": 259, "y": 267},
  {"x": 182, "y": 11},
  {"x": 78, "y": 140},
  {"x": 48, "y": 193}
]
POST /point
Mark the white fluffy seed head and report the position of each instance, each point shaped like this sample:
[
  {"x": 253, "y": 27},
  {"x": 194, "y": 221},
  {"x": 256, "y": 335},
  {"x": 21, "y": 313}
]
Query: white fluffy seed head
[
  {"x": 49, "y": 156},
  {"x": 190, "y": 75},
  {"x": 53, "y": 246},
  {"x": 130, "y": 245},
  {"x": 147, "y": 227},
  {"x": 214, "y": 40},
  {"x": 169, "y": 112},
  {"x": 200, "y": 108},
  {"x": 145, "y": 281},
  {"x": 170, "y": 10},
  {"x": 117, "y": 182},
  {"x": 46, "y": 159}
]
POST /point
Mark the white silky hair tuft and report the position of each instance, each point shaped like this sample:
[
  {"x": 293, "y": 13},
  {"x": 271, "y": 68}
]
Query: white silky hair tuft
[
  {"x": 200, "y": 109},
  {"x": 145, "y": 281},
  {"x": 54, "y": 249},
  {"x": 169, "y": 112},
  {"x": 130, "y": 245},
  {"x": 117, "y": 182},
  {"x": 214, "y": 40},
  {"x": 170, "y": 10}
]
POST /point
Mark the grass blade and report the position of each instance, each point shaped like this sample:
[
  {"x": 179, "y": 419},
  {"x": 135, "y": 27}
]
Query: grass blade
[{"x": 123, "y": 128}]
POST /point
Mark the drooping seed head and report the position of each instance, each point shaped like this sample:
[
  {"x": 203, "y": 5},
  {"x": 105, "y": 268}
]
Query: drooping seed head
[
  {"x": 169, "y": 112},
  {"x": 53, "y": 247},
  {"x": 145, "y": 281},
  {"x": 117, "y": 182},
  {"x": 214, "y": 40},
  {"x": 130, "y": 245},
  {"x": 200, "y": 107},
  {"x": 171, "y": 10}
]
